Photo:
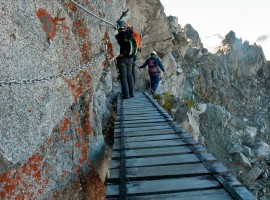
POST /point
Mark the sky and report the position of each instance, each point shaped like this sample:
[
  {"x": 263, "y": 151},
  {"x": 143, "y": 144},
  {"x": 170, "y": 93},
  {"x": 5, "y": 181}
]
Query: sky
[{"x": 249, "y": 19}]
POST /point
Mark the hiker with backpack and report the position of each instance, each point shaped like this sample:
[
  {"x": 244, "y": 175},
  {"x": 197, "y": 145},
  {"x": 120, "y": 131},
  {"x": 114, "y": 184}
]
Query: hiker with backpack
[
  {"x": 154, "y": 64},
  {"x": 128, "y": 49},
  {"x": 138, "y": 41}
]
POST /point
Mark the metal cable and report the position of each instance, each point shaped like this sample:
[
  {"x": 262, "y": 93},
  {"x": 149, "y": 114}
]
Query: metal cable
[
  {"x": 35, "y": 80},
  {"x": 90, "y": 13},
  {"x": 61, "y": 75}
]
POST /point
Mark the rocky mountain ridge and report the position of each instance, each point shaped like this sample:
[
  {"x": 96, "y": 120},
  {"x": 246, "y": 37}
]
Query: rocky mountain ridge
[{"x": 225, "y": 104}]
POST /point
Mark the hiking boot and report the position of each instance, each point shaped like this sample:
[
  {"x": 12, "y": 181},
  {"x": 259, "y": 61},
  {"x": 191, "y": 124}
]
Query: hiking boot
[
  {"x": 132, "y": 95},
  {"x": 125, "y": 97}
]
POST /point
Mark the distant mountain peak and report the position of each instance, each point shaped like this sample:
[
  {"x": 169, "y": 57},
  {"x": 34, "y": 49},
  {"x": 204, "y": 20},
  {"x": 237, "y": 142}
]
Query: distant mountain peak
[
  {"x": 263, "y": 38},
  {"x": 216, "y": 35}
]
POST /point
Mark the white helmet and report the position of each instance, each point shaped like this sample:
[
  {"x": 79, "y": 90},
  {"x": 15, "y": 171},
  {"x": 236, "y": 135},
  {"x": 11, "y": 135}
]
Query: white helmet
[{"x": 153, "y": 52}]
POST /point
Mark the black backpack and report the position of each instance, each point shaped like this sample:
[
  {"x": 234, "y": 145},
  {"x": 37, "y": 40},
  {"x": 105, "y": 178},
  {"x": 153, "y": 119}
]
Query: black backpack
[{"x": 129, "y": 37}]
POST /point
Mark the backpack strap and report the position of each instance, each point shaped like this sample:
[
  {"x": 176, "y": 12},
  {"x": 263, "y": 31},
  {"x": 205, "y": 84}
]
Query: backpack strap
[{"x": 129, "y": 38}]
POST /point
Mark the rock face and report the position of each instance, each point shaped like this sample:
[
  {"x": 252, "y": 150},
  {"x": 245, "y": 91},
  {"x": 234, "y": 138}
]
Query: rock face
[
  {"x": 51, "y": 133},
  {"x": 52, "y": 117},
  {"x": 233, "y": 84}
]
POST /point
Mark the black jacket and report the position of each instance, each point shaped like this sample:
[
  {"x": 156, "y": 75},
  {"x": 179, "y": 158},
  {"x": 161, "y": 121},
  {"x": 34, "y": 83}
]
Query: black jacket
[{"x": 126, "y": 44}]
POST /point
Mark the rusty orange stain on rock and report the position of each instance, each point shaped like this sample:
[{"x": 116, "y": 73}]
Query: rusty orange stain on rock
[
  {"x": 109, "y": 46},
  {"x": 95, "y": 189},
  {"x": 64, "y": 192},
  {"x": 79, "y": 84},
  {"x": 79, "y": 130},
  {"x": 35, "y": 165},
  {"x": 87, "y": 129},
  {"x": 64, "y": 125},
  {"x": 77, "y": 115},
  {"x": 82, "y": 31},
  {"x": 33, "y": 175},
  {"x": 24, "y": 168},
  {"x": 77, "y": 144},
  {"x": 9, "y": 185},
  {"x": 85, "y": 51},
  {"x": 49, "y": 141},
  {"x": 80, "y": 28},
  {"x": 78, "y": 171},
  {"x": 42, "y": 148},
  {"x": 83, "y": 154},
  {"x": 71, "y": 6},
  {"x": 20, "y": 197},
  {"x": 48, "y": 22}
]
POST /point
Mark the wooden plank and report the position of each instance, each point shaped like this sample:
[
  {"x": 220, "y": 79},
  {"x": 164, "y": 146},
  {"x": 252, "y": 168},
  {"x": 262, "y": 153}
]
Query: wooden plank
[
  {"x": 230, "y": 179},
  {"x": 199, "y": 148},
  {"x": 145, "y": 120},
  {"x": 146, "y": 124},
  {"x": 162, "y": 171},
  {"x": 149, "y": 144},
  {"x": 150, "y": 138},
  {"x": 160, "y": 160},
  {"x": 140, "y": 117},
  {"x": 137, "y": 104},
  {"x": 145, "y": 133},
  {"x": 146, "y": 109},
  {"x": 210, "y": 194},
  {"x": 219, "y": 167},
  {"x": 163, "y": 127},
  {"x": 138, "y": 112},
  {"x": 244, "y": 193},
  {"x": 138, "y": 107},
  {"x": 191, "y": 141},
  {"x": 153, "y": 152},
  {"x": 136, "y": 99},
  {"x": 207, "y": 157},
  {"x": 141, "y": 107},
  {"x": 185, "y": 135},
  {"x": 149, "y": 108},
  {"x": 165, "y": 185}
]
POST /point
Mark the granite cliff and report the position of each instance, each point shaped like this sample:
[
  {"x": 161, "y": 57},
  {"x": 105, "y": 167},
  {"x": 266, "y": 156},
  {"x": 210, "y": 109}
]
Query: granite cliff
[{"x": 54, "y": 115}]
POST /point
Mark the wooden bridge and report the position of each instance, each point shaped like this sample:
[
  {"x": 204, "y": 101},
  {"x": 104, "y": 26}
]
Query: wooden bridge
[{"x": 155, "y": 158}]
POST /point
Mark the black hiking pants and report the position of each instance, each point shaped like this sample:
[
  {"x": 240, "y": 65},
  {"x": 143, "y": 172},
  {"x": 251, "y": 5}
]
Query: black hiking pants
[{"x": 124, "y": 65}]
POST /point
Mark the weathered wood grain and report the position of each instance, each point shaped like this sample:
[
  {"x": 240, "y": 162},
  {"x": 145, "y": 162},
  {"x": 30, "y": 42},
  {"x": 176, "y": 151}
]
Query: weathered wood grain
[
  {"x": 153, "y": 152},
  {"x": 161, "y": 171},
  {"x": 149, "y": 144},
  {"x": 155, "y": 161},
  {"x": 165, "y": 185}
]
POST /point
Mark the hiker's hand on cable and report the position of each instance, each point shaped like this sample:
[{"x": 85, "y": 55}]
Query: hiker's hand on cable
[{"x": 165, "y": 72}]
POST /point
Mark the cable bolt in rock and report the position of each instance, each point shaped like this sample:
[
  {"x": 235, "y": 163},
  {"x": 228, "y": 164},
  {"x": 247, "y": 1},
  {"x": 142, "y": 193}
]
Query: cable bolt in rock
[
  {"x": 64, "y": 74},
  {"x": 92, "y": 14}
]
